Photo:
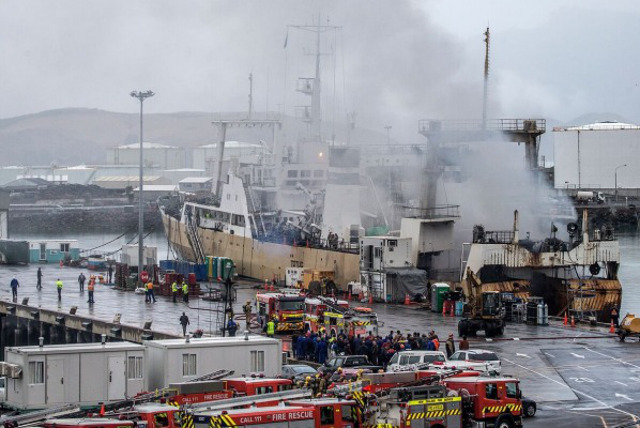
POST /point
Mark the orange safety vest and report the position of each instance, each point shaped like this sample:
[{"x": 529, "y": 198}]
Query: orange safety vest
[
  {"x": 150, "y": 285},
  {"x": 90, "y": 286}
]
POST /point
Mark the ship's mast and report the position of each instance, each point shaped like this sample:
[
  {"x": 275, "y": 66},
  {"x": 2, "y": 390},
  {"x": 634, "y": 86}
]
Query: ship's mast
[
  {"x": 486, "y": 79},
  {"x": 313, "y": 86}
]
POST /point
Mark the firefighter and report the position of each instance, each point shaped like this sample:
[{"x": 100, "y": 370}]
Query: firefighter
[
  {"x": 271, "y": 328},
  {"x": 247, "y": 312},
  {"x": 315, "y": 385},
  {"x": 450, "y": 346},
  {"x": 185, "y": 292},
  {"x": 174, "y": 290},
  {"x": 322, "y": 386}
]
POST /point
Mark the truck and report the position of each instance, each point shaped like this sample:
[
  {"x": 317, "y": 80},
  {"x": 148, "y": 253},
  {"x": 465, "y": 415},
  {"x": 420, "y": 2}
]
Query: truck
[
  {"x": 347, "y": 361},
  {"x": 451, "y": 400},
  {"x": 308, "y": 413},
  {"x": 585, "y": 196},
  {"x": 337, "y": 317},
  {"x": 287, "y": 311},
  {"x": 486, "y": 311}
]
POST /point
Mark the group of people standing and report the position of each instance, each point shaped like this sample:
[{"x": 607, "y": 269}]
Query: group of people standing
[{"x": 180, "y": 289}]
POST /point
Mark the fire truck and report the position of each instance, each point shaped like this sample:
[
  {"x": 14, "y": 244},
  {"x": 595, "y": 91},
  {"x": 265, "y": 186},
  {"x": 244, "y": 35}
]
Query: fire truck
[
  {"x": 449, "y": 400},
  {"x": 337, "y": 317},
  {"x": 287, "y": 310},
  {"x": 307, "y": 413},
  {"x": 151, "y": 415},
  {"x": 489, "y": 401}
]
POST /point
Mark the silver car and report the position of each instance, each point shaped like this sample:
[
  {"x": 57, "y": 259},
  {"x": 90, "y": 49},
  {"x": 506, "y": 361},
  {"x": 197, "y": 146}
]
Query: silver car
[{"x": 475, "y": 359}]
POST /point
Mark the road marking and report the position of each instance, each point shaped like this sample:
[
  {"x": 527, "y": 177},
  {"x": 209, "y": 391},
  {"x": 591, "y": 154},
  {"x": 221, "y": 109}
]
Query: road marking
[
  {"x": 621, "y": 383},
  {"x": 612, "y": 358},
  {"x": 552, "y": 356},
  {"x": 516, "y": 339},
  {"x": 626, "y": 397},
  {"x": 583, "y": 368},
  {"x": 603, "y": 404},
  {"x": 577, "y": 355},
  {"x": 523, "y": 355}
]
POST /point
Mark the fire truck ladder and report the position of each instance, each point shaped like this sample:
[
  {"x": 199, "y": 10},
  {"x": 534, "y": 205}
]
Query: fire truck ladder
[
  {"x": 38, "y": 416},
  {"x": 218, "y": 374},
  {"x": 420, "y": 382},
  {"x": 332, "y": 304},
  {"x": 229, "y": 403}
]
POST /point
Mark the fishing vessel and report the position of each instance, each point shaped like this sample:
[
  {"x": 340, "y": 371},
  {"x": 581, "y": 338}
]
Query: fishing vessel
[{"x": 578, "y": 277}]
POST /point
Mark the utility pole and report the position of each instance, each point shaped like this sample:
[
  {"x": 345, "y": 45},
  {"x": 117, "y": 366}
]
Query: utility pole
[
  {"x": 141, "y": 95},
  {"x": 250, "y": 96}
]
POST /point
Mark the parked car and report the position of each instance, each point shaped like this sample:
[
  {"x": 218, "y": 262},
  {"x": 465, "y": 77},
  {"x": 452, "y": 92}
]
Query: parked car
[
  {"x": 489, "y": 361},
  {"x": 412, "y": 360},
  {"x": 348, "y": 361},
  {"x": 297, "y": 372}
]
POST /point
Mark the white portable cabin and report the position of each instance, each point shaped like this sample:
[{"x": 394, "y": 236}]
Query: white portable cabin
[
  {"x": 83, "y": 374},
  {"x": 179, "y": 360}
]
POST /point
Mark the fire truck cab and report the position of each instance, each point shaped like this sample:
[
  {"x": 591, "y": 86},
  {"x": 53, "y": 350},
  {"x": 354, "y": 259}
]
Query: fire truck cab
[
  {"x": 257, "y": 386},
  {"x": 285, "y": 309},
  {"x": 489, "y": 401},
  {"x": 314, "y": 413}
]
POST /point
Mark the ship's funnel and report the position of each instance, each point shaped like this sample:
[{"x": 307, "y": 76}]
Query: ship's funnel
[{"x": 516, "y": 226}]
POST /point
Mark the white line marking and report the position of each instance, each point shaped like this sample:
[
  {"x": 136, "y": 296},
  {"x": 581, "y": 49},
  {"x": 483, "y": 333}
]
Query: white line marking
[
  {"x": 583, "y": 368},
  {"x": 572, "y": 389},
  {"x": 626, "y": 397},
  {"x": 577, "y": 355},
  {"x": 613, "y": 358},
  {"x": 552, "y": 356},
  {"x": 523, "y": 355},
  {"x": 621, "y": 383}
]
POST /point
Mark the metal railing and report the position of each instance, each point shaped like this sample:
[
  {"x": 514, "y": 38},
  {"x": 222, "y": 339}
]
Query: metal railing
[{"x": 502, "y": 125}]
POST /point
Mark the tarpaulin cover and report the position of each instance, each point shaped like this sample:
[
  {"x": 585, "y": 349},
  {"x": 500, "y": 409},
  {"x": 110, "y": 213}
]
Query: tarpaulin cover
[{"x": 405, "y": 281}]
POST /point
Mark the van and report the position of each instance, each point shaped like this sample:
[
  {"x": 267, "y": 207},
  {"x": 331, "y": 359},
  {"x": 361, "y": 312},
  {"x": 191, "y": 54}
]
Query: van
[{"x": 410, "y": 360}]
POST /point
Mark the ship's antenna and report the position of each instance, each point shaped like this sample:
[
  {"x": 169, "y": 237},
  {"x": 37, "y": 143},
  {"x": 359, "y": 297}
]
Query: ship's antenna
[{"x": 486, "y": 78}]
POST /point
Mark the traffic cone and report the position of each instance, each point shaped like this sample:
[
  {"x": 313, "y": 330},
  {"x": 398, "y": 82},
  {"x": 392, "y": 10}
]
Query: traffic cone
[
  {"x": 573, "y": 322},
  {"x": 370, "y": 298},
  {"x": 453, "y": 309},
  {"x": 266, "y": 285},
  {"x": 407, "y": 301},
  {"x": 444, "y": 309},
  {"x": 612, "y": 330},
  {"x": 101, "y": 409},
  {"x": 564, "y": 322}
]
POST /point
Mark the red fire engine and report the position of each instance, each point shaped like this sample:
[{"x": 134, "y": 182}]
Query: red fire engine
[
  {"x": 287, "y": 310},
  {"x": 314, "y": 413},
  {"x": 489, "y": 401}
]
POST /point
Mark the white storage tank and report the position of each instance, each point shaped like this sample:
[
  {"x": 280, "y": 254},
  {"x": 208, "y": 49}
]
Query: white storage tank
[
  {"x": 180, "y": 360},
  {"x": 82, "y": 374}
]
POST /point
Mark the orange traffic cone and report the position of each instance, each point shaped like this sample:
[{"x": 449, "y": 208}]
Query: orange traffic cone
[
  {"x": 370, "y": 299},
  {"x": 573, "y": 322},
  {"x": 101, "y": 409},
  {"x": 407, "y": 301},
  {"x": 453, "y": 309},
  {"x": 565, "y": 319},
  {"x": 444, "y": 308},
  {"x": 612, "y": 330}
]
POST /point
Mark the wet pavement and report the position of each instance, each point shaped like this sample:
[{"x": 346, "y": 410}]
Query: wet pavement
[{"x": 579, "y": 376}]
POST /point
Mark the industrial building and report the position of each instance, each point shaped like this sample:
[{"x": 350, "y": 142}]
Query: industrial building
[
  {"x": 157, "y": 155},
  {"x": 598, "y": 156}
]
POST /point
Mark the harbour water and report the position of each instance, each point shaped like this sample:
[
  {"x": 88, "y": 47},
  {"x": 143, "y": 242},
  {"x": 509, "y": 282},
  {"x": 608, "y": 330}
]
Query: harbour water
[{"x": 106, "y": 243}]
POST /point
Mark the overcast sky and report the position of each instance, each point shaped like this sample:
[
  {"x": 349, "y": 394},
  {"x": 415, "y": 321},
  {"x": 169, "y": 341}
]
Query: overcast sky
[{"x": 393, "y": 62}]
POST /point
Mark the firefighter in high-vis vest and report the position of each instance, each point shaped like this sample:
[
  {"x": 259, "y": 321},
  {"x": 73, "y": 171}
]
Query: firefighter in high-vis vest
[
  {"x": 185, "y": 292},
  {"x": 59, "y": 287},
  {"x": 174, "y": 291},
  {"x": 271, "y": 328},
  {"x": 152, "y": 297}
]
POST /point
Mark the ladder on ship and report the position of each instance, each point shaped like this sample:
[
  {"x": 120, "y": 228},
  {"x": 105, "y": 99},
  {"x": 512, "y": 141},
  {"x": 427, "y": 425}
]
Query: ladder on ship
[
  {"x": 255, "y": 209},
  {"x": 194, "y": 240}
]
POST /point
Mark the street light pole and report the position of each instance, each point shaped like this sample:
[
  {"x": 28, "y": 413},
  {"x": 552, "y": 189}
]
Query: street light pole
[
  {"x": 388, "y": 128},
  {"x": 615, "y": 174},
  {"x": 141, "y": 95}
]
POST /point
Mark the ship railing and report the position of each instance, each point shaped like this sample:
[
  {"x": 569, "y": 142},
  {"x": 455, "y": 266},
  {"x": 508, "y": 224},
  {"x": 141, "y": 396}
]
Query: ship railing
[
  {"x": 427, "y": 126},
  {"x": 438, "y": 212},
  {"x": 495, "y": 237}
]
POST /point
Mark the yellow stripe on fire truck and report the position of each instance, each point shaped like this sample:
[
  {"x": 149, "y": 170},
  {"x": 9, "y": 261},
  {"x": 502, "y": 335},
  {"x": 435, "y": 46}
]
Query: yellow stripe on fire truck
[
  {"x": 187, "y": 420},
  {"x": 222, "y": 421},
  {"x": 359, "y": 323},
  {"x": 432, "y": 415},
  {"x": 434, "y": 401},
  {"x": 381, "y": 426},
  {"x": 500, "y": 409}
]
